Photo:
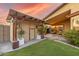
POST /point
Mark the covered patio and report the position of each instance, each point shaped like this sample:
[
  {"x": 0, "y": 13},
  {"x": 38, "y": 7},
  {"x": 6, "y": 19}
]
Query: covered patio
[
  {"x": 20, "y": 21},
  {"x": 60, "y": 22}
]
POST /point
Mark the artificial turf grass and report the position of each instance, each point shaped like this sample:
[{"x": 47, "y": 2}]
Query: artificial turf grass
[{"x": 45, "y": 48}]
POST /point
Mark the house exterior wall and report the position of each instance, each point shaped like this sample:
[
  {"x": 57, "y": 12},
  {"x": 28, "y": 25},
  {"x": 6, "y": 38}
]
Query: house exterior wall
[
  {"x": 30, "y": 30},
  {"x": 75, "y": 22},
  {"x": 66, "y": 25},
  {"x": 70, "y": 6},
  {"x": 25, "y": 27}
]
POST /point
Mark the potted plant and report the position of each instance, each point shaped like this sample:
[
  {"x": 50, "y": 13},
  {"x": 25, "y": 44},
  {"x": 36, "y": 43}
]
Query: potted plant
[
  {"x": 21, "y": 37},
  {"x": 42, "y": 31}
]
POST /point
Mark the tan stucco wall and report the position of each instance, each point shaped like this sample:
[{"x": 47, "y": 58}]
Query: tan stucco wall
[
  {"x": 66, "y": 25},
  {"x": 73, "y": 23},
  {"x": 25, "y": 25},
  {"x": 29, "y": 26}
]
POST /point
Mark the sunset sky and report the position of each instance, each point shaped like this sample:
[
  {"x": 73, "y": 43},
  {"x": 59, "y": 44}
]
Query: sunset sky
[{"x": 38, "y": 10}]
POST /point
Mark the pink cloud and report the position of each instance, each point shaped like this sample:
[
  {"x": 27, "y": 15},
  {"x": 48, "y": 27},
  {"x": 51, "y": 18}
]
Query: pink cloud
[{"x": 38, "y": 10}]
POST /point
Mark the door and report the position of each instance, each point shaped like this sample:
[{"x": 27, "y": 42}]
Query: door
[{"x": 32, "y": 33}]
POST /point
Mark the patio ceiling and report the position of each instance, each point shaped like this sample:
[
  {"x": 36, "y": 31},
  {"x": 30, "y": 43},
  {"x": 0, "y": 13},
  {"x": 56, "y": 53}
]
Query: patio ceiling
[{"x": 59, "y": 19}]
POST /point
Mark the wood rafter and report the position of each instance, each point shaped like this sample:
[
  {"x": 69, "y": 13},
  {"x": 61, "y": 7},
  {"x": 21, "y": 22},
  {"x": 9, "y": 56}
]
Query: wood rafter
[
  {"x": 73, "y": 14},
  {"x": 59, "y": 18}
]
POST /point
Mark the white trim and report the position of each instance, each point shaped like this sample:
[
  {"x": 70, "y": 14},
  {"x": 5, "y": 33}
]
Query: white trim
[{"x": 11, "y": 30}]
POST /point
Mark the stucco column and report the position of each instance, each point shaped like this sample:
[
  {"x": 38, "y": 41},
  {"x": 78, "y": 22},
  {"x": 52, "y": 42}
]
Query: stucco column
[
  {"x": 71, "y": 21},
  {"x": 13, "y": 33},
  {"x": 67, "y": 25},
  {"x": 15, "y": 41}
]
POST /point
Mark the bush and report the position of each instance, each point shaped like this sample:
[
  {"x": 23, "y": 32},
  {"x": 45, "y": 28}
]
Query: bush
[
  {"x": 42, "y": 29},
  {"x": 21, "y": 33},
  {"x": 72, "y": 36}
]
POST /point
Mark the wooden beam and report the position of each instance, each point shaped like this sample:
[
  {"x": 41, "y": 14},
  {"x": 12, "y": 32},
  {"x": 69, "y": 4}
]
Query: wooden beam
[
  {"x": 29, "y": 30},
  {"x": 21, "y": 16},
  {"x": 14, "y": 32},
  {"x": 15, "y": 41},
  {"x": 59, "y": 18},
  {"x": 73, "y": 14},
  {"x": 60, "y": 22}
]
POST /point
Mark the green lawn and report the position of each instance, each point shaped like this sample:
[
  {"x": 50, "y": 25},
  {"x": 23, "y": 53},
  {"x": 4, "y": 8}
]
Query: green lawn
[{"x": 45, "y": 48}]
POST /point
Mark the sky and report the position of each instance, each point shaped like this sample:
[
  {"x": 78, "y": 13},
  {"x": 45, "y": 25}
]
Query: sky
[{"x": 37, "y": 10}]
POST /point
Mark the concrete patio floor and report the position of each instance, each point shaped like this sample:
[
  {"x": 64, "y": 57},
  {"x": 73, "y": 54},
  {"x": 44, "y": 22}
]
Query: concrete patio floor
[
  {"x": 56, "y": 37},
  {"x": 7, "y": 47}
]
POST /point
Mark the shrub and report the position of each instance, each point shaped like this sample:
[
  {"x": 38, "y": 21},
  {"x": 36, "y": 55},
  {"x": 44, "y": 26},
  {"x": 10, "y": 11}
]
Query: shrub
[
  {"x": 72, "y": 36},
  {"x": 42, "y": 29},
  {"x": 21, "y": 33}
]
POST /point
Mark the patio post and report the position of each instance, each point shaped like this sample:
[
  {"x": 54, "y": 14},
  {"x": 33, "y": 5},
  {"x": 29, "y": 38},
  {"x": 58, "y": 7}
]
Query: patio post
[{"x": 15, "y": 41}]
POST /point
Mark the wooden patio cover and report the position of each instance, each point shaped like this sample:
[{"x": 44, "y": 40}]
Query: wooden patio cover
[
  {"x": 59, "y": 18},
  {"x": 20, "y": 16}
]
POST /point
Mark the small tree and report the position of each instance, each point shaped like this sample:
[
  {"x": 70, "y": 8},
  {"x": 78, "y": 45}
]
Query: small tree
[
  {"x": 21, "y": 33},
  {"x": 42, "y": 29}
]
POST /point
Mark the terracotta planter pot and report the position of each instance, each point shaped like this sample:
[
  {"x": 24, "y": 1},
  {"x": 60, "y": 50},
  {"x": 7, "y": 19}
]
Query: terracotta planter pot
[{"x": 15, "y": 44}]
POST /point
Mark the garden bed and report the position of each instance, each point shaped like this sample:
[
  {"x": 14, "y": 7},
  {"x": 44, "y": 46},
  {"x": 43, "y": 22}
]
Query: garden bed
[{"x": 72, "y": 37}]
